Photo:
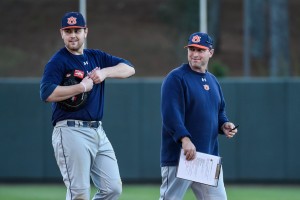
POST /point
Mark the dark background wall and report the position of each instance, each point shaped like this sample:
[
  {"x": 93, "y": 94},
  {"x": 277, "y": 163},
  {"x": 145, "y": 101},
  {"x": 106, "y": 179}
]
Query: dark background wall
[
  {"x": 152, "y": 33},
  {"x": 265, "y": 148}
]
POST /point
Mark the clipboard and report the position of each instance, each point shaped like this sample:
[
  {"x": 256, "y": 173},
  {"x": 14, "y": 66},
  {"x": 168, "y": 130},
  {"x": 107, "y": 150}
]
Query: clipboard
[{"x": 205, "y": 168}]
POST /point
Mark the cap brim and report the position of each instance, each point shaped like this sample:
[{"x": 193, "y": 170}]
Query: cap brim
[
  {"x": 69, "y": 27},
  {"x": 197, "y": 46}
]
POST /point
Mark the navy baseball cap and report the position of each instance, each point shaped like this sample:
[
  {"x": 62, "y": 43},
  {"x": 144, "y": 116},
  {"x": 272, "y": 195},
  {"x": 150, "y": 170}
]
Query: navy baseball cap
[
  {"x": 200, "y": 40},
  {"x": 73, "y": 20}
]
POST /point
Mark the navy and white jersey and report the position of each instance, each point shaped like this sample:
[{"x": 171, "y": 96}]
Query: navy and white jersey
[
  {"x": 192, "y": 105},
  {"x": 64, "y": 61}
]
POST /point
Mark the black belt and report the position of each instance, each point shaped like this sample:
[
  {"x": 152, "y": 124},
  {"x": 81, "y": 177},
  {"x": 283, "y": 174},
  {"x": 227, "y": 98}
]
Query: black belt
[{"x": 90, "y": 124}]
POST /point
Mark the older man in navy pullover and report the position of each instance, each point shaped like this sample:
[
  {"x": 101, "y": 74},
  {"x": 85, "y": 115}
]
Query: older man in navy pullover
[{"x": 193, "y": 114}]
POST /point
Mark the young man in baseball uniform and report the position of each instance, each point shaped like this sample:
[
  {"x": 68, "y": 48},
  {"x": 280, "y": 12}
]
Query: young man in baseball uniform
[{"x": 82, "y": 149}]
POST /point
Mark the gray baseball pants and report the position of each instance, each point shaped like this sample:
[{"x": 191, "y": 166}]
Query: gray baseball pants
[
  {"x": 173, "y": 188},
  {"x": 85, "y": 153}
]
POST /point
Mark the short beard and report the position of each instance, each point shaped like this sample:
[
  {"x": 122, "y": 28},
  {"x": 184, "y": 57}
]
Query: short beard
[{"x": 74, "y": 48}]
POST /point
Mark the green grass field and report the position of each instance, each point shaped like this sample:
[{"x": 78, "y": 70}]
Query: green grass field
[{"x": 148, "y": 192}]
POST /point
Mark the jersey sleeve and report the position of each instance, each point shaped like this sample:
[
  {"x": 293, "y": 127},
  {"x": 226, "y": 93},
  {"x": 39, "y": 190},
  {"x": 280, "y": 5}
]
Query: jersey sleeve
[
  {"x": 222, "y": 117},
  {"x": 172, "y": 108},
  {"x": 52, "y": 77},
  {"x": 108, "y": 60}
]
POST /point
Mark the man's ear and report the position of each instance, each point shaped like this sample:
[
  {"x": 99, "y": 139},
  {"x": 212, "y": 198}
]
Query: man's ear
[
  {"x": 61, "y": 33},
  {"x": 85, "y": 32},
  {"x": 211, "y": 52}
]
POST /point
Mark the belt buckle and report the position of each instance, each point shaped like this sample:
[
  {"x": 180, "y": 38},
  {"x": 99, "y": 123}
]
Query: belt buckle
[{"x": 90, "y": 124}]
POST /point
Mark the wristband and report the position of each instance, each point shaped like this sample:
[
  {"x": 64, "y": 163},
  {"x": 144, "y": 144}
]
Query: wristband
[{"x": 83, "y": 86}]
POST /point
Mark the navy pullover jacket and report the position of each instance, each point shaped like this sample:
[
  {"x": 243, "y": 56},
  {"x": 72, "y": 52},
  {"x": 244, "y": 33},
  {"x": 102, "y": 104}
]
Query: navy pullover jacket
[{"x": 192, "y": 104}]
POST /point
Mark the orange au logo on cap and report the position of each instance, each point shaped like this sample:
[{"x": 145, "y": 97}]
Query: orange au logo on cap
[
  {"x": 72, "y": 20},
  {"x": 196, "y": 38}
]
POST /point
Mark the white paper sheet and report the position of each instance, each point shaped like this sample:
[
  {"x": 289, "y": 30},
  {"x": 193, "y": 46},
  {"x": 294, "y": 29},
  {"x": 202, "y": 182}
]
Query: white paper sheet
[{"x": 204, "y": 168}]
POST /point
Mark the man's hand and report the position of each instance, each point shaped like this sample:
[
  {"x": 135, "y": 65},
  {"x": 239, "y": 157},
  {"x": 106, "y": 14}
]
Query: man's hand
[
  {"x": 97, "y": 75},
  {"x": 189, "y": 148},
  {"x": 229, "y": 129}
]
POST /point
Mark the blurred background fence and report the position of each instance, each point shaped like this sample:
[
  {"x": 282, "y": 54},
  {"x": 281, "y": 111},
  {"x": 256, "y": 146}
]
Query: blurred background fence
[
  {"x": 251, "y": 37},
  {"x": 265, "y": 149}
]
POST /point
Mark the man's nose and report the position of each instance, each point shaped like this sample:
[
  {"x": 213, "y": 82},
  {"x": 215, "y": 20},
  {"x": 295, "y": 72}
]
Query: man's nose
[
  {"x": 196, "y": 54},
  {"x": 72, "y": 34}
]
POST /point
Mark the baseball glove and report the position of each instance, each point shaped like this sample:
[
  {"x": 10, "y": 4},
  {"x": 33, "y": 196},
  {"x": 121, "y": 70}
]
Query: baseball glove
[{"x": 78, "y": 101}]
